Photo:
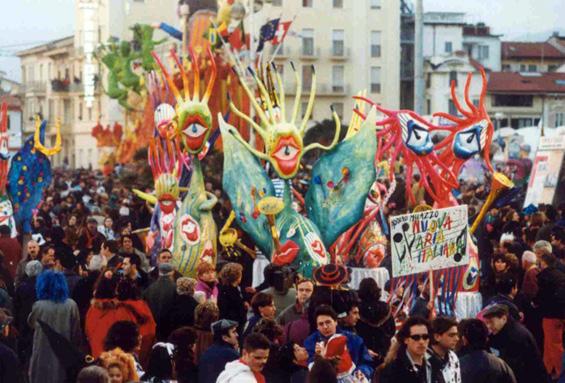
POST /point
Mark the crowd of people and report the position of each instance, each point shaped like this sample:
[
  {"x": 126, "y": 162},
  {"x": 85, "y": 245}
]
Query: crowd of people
[{"x": 84, "y": 300}]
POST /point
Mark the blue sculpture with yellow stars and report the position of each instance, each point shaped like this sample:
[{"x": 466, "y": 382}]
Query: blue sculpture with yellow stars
[{"x": 30, "y": 174}]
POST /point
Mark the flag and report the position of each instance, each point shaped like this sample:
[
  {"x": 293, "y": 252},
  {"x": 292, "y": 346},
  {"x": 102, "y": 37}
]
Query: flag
[
  {"x": 267, "y": 33},
  {"x": 281, "y": 32}
]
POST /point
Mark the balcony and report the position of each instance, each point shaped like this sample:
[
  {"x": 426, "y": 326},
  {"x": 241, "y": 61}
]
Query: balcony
[
  {"x": 339, "y": 53},
  {"x": 309, "y": 53},
  {"x": 60, "y": 85},
  {"x": 322, "y": 89},
  {"x": 37, "y": 87}
]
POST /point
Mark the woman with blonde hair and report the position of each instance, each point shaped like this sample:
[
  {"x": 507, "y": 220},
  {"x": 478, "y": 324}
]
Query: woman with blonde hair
[{"x": 120, "y": 366}]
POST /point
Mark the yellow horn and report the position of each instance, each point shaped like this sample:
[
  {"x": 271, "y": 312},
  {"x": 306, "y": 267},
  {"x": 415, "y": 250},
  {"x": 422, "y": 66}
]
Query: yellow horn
[
  {"x": 499, "y": 183},
  {"x": 37, "y": 142}
]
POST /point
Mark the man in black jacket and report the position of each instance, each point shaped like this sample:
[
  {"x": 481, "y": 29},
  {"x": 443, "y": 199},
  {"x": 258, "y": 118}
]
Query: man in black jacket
[
  {"x": 223, "y": 350},
  {"x": 512, "y": 342},
  {"x": 551, "y": 301},
  {"x": 477, "y": 364}
]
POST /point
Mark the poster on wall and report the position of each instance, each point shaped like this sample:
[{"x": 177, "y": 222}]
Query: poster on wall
[
  {"x": 544, "y": 178},
  {"x": 429, "y": 240}
]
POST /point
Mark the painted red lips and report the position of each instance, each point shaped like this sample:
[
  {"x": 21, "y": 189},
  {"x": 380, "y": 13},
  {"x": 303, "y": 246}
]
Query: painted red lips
[
  {"x": 190, "y": 229},
  {"x": 287, "y": 253}
]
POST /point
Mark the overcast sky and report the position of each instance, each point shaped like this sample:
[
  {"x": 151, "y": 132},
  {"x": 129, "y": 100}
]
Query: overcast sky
[{"x": 37, "y": 21}]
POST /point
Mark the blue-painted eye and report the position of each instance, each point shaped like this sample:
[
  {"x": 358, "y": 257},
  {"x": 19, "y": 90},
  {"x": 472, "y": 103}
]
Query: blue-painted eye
[
  {"x": 416, "y": 136},
  {"x": 470, "y": 141}
]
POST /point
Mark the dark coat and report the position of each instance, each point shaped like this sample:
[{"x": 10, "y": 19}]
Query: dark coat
[
  {"x": 551, "y": 290},
  {"x": 10, "y": 370},
  {"x": 180, "y": 314},
  {"x": 160, "y": 297},
  {"x": 376, "y": 326},
  {"x": 517, "y": 347},
  {"x": 401, "y": 371},
  {"x": 479, "y": 366},
  {"x": 231, "y": 304},
  {"x": 213, "y": 361}
]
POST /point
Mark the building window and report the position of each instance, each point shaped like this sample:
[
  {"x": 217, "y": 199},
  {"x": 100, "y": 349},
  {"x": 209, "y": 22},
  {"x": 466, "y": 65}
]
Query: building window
[
  {"x": 452, "y": 109},
  {"x": 338, "y": 107},
  {"x": 559, "y": 119},
  {"x": 532, "y": 68},
  {"x": 338, "y": 75},
  {"x": 338, "y": 3},
  {"x": 506, "y": 68},
  {"x": 513, "y": 100},
  {"x": 448, "y": 47},
  {"x": 375, "y": 44},
  {"x": 338, "y": 43},
  {"x": 375, "y": 79},
  {"x": 483, "y": 52},
  {"x": 522, "y": 67},
  {"x": 375, "y": 4},
  {"x": 429, "y": 106},
  {"x": 306, "y": 77},
  {"x": 452, "y": 77},
  {"x": 308, "y": 42},
  {"x": 80, "y": 110},
  {"x": 552, "y": 68},
  {"x": 307, "y": 3},
  {"x": 277, "y": 3},
  {"x": 40, "y": 72}
]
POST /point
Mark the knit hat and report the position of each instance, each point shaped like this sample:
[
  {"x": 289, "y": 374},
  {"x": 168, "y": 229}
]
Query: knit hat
[
  {"x": 33, "y": 268},
  {"x": 185, "y": 286}
]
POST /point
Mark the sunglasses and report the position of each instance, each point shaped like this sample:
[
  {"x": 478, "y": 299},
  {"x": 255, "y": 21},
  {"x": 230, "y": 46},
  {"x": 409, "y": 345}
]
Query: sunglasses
[{"x": 417, "y": 337}]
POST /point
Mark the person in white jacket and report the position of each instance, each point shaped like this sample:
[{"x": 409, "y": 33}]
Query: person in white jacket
[{"x": 248, "y": 368}]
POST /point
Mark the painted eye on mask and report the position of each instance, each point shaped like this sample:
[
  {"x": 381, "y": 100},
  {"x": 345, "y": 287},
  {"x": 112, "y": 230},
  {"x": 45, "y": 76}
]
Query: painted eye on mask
[
  {"x": 163, "y": 113},
  {"x": 470, "y": 141},
  {"x": 285, "y": 153},
  {"x": 415, "y": 135},
  {"x": 291, "y": 231},
  {"x": 194, "y": 130}
]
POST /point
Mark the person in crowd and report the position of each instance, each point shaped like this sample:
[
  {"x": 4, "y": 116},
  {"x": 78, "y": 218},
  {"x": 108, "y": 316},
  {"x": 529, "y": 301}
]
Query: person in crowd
[
  {"x": 278, "y": 281},
  {"x": 322, "y": 371},
  {"x": 66, "y": 263},
  {"x": 477, "y": 364},
  {"x": 408, "y": 360},
  {"x": 230, "y": 299},
  {"x": 356, "y": 352},
  {"x": 550, "y": 299},
  {"x": 263, "y": 307},
  {"x": 105, "y": 310},
  {"x": 349, "y": 317},
  {"x": 107, "y": 229},
  {"x": 24, "y": 299},
  {"x": 224, "y": 349},
  {"x": 304, "y": 290},
  {"x": 182, "y": 309},
  {"x": 376, "y": 324},
  {"x": 11, "y": 249},
  {"x": 129, "y": 296},
  {"x": 56, "y": 310},
  {"x": 125, "y": 336},
  {"x": 206, "y": 281},
  {"x": 90, "y": 239},
  {"x": 109, "y": 250},
  {"x": 249, "y": 368},
  {"x": 185, "y": 339},
  {"x": 84, "y": 289},
  {"x": 506, "y": 291},
  {"x": 205, "y": 314},
  {"x": 160, "y": 297},
  {"x": 293, "y": 363},
  {"x": 164, "y": 256},
  {"x": 160, "y": 367},
  {"x": 445, "y": 337},
  {"x": 557, "y": 238},
  {"x": 10, "y": 369},
  {"x": 127, "y": 248},
  {"x": 531, "y": 270},
  {"x": 515, "y": 345},
  {"x": 131, "y": 268},
  {"x": 31, "y": 255},
  {"x": 500, "y": 269},
  {"x": 120, "y": 366},
  {"x": 93, "y": 374}
]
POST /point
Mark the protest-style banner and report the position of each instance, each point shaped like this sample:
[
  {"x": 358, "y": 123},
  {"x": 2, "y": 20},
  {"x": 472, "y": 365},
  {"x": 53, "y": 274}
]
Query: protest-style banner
[{"x": 429, "y": 240}]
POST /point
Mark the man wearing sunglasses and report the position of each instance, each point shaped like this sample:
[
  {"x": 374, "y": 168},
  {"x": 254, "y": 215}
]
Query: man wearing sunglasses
[{"x": 412, "y": 363}]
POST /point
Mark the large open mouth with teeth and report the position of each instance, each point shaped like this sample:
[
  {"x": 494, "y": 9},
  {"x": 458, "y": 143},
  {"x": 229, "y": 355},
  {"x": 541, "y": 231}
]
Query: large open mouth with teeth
[
  {"x": 286, "y": 154},
  {"x": 194, "y": 130},
  {"x": 167, "y": 203},
  {"x": 286, "y": 254},
  {"x": 190, "y": 229}
]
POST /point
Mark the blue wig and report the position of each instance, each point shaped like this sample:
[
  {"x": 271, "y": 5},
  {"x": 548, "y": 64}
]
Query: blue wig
[{"x": 52, "y": 286}]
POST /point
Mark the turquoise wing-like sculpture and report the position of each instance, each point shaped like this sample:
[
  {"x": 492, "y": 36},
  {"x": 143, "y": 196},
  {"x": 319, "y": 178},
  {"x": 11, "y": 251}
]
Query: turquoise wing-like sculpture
[
  {"x": 341, "y": 179},
  {"x": 246, "y": 183}
]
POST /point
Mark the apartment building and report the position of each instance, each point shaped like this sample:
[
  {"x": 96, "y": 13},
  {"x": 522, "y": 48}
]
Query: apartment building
[{"x": 354, "y": 45}]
